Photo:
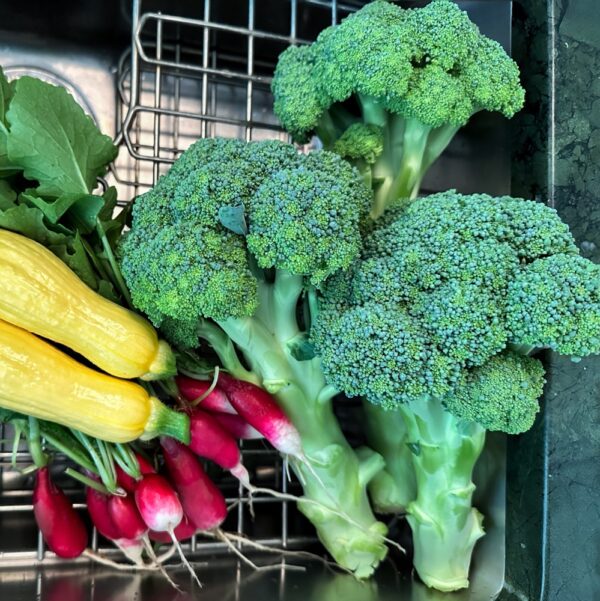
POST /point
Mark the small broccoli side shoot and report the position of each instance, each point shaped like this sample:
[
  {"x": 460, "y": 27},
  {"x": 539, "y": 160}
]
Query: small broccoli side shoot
[
  {"x": 501, "y": 394},
  {"x": 418, "y": 75},
  {"x": 431, "y": 324}
]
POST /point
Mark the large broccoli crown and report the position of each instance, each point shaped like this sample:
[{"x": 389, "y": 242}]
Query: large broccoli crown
[
  {"x": 466, "y": 275},
  {"x": 501, "y": 394},
  {"x": 430, "y": 64},
  {"x": 186, "y": 256}
]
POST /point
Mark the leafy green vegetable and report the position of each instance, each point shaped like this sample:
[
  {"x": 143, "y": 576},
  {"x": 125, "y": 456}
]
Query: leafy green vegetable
[
  {"x": 54, "y": 141},
  {"x": 7, "y": 196}
]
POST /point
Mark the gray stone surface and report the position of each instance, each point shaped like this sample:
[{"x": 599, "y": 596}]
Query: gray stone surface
[{"x": 553, "y": 538}]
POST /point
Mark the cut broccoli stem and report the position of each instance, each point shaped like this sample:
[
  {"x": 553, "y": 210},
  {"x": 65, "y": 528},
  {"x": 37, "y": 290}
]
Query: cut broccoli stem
[
  {"x": 393, "y": 488},
  {"x": 444, "y": 524},
  {"x": 331, "y": 473}
]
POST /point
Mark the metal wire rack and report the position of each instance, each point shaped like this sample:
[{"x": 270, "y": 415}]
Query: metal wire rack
[{"x": 186, "y": 77}]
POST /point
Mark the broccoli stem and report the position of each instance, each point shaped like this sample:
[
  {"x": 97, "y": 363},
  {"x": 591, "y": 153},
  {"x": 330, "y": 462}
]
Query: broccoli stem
[
  {"x": 445, "y": 526},
  {"x": 393, "y": 488},
  {"x": 331, "y": 473},
  {"x": 410, "y": 148}
]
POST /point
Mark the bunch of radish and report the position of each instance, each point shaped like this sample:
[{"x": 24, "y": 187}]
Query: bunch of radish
[{"x": 175, "y": 504}]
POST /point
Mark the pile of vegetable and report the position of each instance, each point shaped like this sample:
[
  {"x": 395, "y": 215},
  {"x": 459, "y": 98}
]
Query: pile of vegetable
[{"x": 278, "y": 283}]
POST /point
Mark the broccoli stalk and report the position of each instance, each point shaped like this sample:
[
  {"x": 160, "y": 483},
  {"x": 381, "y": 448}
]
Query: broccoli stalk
[
  {"x": 229, "y": 247},
  {"x": 336, "y": 477},
  {"x": 394, "y": 487},
  {"x": 447, "y": 299},
  {"x": 409, "y": 149},
  {"x": 445, "y": 526}
]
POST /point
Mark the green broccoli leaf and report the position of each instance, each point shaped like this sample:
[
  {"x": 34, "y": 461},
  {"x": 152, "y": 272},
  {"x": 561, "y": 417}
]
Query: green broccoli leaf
[
  {"x": 300, "y": 348},
  {"x": 54, "y": 141},
  {"x": 233, "y": 219}
]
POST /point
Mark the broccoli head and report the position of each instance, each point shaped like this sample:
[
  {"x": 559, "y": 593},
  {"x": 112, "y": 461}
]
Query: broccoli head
[
  {"x": 223, "y": 209},
  {"x": 417, "y": 74},
  {"x": 445, "y": 286}
]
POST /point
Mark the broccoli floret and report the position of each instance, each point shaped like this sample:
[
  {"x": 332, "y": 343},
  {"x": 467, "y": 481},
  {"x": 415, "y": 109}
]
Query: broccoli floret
[
  {"x": 555, "y": 302},
  {"x": 417, "y": 74},
  {"x": 360, "y": 141},
  {"x": 306, "y": 222},
  {"x": 422, "y": 324},
  {"x": 501, "y": 394}
]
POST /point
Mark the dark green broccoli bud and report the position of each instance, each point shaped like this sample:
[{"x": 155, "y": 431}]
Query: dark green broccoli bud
[
  {"x": 439, "y": 221},
  {"x": 464, "y": 269},
  {"x": 307, "y": 221},
  {"x": 181, "y": 334},
  {"x": 379, "y": 352},
  {"x": 500, "y": 395},
  {"x": 555, "y": 302},
  {"x": 360, "y": 141},
  {"x": 186, "y": 271},
  {"x": 300, "y": 112},
  {"x": 187, "y": 255},
  {"x": 464, "y": 320}
]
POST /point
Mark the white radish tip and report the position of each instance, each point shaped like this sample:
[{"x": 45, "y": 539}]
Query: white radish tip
[{"x": 241, "y": 473}]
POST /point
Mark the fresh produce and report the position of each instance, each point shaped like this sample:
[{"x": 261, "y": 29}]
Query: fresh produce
[
  {"x": 192, "y": 390},
  {"x": 237, "y": 426},
  {"x": 129, "y": 483},
  {"x": 62, "y": 528},
  {"x": 127, "y": 517},
  {"x": 42, "y": 381},
  {"x": 51, "y": 153},
  {"x": 260, "y": 410},
  {"x": 389, "y": 88},
  {"x": 210, "y": 440},
  {"x": 98, "y": 504},
  {"x": 184, "y": 531},
  {"x": 158, "y": 503},
  {"x": 227, "y": 247},
  {"x": 202, "y": 502},
  {"x": 435, "y": 324},
  {"x": 39, "y": 293}
]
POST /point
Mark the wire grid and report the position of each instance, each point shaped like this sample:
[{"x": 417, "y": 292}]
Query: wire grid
[{"x": 171, "y": 92}]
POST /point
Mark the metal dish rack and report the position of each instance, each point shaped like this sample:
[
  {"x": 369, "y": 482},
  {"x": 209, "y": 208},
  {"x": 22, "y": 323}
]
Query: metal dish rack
[{"x": 177, "y": 83}]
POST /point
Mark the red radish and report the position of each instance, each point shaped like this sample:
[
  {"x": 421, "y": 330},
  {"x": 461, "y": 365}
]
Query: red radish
[
  {"x": 125, "y": 481},
  {"x": 237, "y": 426},
  {"x": 261, "y": 411},
  {"x": 185, "y": 530},
  {"x": 160, "y": 508},
  {"x": 192, "y": 389},
  {"x": 97, "y": 506},
  {"x": 127, "y": 518},
  {"x": 202, "y": 501},
  {"x": 158, "y": 503},
  {"x": 208, "y": 439},
  {"x": 62, "y": 527}
]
